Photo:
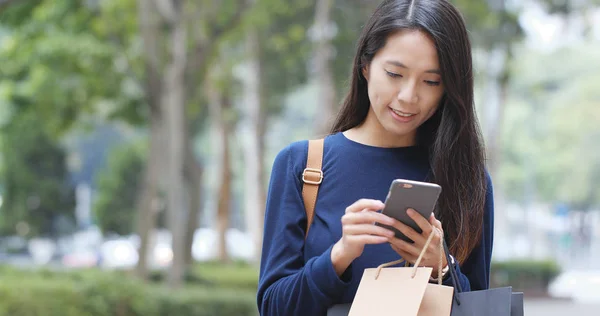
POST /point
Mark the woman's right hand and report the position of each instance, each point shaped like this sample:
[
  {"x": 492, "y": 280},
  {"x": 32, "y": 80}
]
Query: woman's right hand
[{"x": 358, "y": 230}]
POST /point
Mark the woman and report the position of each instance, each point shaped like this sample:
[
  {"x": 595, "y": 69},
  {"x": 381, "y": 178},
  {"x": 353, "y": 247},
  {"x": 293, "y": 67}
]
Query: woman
[{"x": 409, "y": 114}]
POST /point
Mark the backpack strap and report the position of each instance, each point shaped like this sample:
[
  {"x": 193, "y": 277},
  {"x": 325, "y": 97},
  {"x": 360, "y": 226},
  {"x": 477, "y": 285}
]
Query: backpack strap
[{"x": 312, "y": 177}]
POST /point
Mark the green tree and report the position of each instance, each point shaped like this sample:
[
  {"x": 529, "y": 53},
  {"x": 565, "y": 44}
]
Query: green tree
[
  {"x": 63, "y": 63},
  {"x": 37, "y": 188},
  {"x": 550, "y": 143},
  {"x": 117, "y": 190},
  {"x": 495, "y": 30}
]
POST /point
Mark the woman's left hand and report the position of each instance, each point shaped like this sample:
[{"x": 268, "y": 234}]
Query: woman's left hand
[{"x": 410, "y": 252}]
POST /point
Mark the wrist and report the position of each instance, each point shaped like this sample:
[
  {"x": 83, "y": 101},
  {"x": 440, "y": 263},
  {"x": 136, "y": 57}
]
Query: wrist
[
  {"x": 445, "y": 269},
  {"x": 435, "y": 273},
  {"x": 339, "y": 258}
]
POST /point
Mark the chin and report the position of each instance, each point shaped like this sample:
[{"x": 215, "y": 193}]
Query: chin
[{"x": 401, "y": 132}]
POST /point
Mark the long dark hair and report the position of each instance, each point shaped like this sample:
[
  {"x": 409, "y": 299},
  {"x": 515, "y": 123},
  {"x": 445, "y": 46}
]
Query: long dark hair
[{"x": 452, "y": 135}]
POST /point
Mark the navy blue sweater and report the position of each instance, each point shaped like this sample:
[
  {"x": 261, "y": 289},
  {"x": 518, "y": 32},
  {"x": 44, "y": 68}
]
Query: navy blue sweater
[{"x": 297, "y": 276}]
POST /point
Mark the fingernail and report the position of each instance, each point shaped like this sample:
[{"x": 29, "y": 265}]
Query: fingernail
[{"x": 410, "y": 211}]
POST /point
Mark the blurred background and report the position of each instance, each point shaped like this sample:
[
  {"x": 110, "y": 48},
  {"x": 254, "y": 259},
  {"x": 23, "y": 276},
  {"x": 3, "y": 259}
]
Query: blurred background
[{"x": 137, "y": 139}]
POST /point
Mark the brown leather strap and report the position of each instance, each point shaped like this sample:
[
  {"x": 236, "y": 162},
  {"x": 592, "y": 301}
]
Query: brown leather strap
[{"x": 312, "y": 178}]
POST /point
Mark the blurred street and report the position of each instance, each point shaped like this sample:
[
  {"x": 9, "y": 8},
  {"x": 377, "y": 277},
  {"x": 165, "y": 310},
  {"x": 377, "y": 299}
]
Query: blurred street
[
  {"x": 138, "y": 140},
  {"x": 547, "y": 307}
]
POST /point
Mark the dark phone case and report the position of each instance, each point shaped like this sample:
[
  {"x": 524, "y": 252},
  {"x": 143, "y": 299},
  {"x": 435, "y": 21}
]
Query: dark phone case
[{"x": 405, "y": 194}]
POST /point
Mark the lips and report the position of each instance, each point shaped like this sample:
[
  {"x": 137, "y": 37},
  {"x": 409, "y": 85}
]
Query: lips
[
  {"x": 402, "y": 117},
  {"x": 403, "y": 114}
]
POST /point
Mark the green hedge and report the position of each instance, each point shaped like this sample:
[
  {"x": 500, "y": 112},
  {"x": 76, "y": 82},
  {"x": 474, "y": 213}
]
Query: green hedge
[
  {"x": 524, "y": 275},
  {"x": 236, "y": 275},
  {"x": 97, "y": 293}
]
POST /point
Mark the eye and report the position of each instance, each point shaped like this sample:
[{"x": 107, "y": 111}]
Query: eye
[
  {"x": 432, "y": 83},
  {"x": 393, "y": 75}
]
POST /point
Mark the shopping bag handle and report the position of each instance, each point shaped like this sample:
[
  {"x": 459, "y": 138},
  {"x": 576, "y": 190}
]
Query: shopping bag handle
[
  {"x": 452, "y": 272},
  {"x": 414, "y": 272}
]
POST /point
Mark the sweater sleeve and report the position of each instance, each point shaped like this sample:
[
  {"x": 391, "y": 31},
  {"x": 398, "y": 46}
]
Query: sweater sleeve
[
  {"x": 288, "y": 286},
  {"x": 474, "y": 273}
]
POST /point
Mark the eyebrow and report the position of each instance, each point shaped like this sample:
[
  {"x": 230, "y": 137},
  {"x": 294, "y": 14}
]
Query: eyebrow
[{"x": 401, "y": 65}]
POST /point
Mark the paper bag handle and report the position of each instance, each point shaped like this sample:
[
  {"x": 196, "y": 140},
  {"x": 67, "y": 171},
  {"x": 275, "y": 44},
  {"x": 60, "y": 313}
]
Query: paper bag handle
[{"x": 423, "y": 251}]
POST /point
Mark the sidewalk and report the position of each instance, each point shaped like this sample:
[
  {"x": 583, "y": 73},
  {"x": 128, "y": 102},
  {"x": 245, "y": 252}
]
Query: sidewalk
[{"x": 548, "y": 307}]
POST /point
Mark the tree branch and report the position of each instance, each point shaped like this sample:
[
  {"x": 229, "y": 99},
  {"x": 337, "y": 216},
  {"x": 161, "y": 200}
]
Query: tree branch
[
  {"x": 167, "y": 10},
  {"x": 6, "y": 2},
  {"x": 233, "y": 22},
  {"x": 202, "y": 52},
  {"x": 150, "y": 31}
]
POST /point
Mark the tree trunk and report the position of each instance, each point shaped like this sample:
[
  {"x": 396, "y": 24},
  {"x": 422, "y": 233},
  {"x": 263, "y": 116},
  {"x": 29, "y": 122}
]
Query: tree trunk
[
  {"x": 147, "y": 209},
  {"x": 495, "y": 100},
  {"x": 194, "y": 171},
  {"x": 220, "y": 108},
  {"x": 262, "y": 133},
  {"x": 250, "y": 139},
  {"x": 173, "y": 105},
  {"x": 496, "y": 94},
  {"x": 146, "y": 203},
  {"x": 323, "y": 55},
  {"x": 224, "y": 207}
]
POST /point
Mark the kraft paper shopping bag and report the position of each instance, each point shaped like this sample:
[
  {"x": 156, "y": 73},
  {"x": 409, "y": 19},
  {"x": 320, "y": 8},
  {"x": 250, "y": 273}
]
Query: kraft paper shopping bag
[
  {"x": 403, "y": 291},
  {"x": 437, "y": 300},
  {"x": 394, "y": 290}
]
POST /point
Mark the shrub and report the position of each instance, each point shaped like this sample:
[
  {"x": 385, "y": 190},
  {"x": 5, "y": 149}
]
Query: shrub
[
  {"x": 236, "y": 275},
  {"x": 98, "y": 293},
  {"x": 524, "y": 275}
]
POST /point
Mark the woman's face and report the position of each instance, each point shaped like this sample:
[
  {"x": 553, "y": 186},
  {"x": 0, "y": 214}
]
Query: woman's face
[{"x": 404, "y": 85}]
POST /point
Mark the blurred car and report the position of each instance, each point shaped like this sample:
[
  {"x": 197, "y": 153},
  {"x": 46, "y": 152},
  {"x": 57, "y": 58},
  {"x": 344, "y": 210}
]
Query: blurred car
[
  {"x": 80, "y": 258},
  {"x": 579, "y": 285},
  {"x": 118, "y": 254},
  {"x": 206, "y": 245}
]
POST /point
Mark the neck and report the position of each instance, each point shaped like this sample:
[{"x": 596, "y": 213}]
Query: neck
[{"x": 372, "y": 133}]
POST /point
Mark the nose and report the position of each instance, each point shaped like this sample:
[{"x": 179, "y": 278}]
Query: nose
[{"x": 408, "y": 93}]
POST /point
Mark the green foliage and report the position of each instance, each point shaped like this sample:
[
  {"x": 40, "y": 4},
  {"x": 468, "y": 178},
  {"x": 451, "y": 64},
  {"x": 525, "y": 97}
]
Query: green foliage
[
  {"x": 238, "y": 275},
  {"x": 286, "y": 48},
  {"x": 552, "y": 128},
  {"x": 64, "y": 63},
  {"x": 567, "y": 7},
  {"x": 524, "y": 275},
  {"x": 37, "y": 191},
  {"x": 349, "y": 17},
  {"x": 118, "y": 185},
  {"x": 489, "y": 22},
  {"x": 93, "y": 293}
]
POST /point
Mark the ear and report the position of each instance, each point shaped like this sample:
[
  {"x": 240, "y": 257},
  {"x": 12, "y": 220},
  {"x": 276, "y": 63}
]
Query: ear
[{"x": 365, "y": 72}]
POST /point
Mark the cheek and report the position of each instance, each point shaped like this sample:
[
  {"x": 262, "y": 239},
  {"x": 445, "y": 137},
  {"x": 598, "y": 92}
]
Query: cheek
[
  {"x": 381, "y": 92},
  {"x": 432, "y": 104}
]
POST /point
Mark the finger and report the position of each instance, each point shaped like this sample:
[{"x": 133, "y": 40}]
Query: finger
[
  {"x": 366, "y": 217},
  {"x": 432, "y": 219},
  {"x": 367, "y": 239},
  {"x": 405, "y": 255},
  {"x": 420, "y": 220},
  {"x": 437, "y": 224},
  {"x": 368, "y": 229},
  {"x": 434, "y": 247},
  {"x": 364, "y": 204},
  {"x": 405, "y": 247},
  {"x": 409, "y": 232}
]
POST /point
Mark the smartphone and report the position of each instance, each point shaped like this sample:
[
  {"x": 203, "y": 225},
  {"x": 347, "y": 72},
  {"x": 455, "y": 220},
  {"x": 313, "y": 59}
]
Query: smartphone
[{"x": 405, "y": 194}]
